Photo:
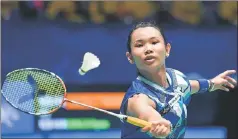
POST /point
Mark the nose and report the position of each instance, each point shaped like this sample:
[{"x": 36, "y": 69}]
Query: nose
[{"x": 148, "y": 49}]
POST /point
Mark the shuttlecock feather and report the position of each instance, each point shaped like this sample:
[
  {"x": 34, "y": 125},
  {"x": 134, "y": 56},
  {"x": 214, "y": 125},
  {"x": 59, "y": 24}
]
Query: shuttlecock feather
[{"x": 90, "y": 61}]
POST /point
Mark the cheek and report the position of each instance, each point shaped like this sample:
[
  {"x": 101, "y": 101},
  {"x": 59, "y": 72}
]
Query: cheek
[
  {"x": 137, "y": 57},
  {"x": 137, "y": 54},
  {"x": 139, "y": 63},
  {"x": 137, "y": 60},
  {"x": 161, "y": 51}
]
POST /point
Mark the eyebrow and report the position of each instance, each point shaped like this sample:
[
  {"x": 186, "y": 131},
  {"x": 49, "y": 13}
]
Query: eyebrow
[{"x": 140, "y": 40}]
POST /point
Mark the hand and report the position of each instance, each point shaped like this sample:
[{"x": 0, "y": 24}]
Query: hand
[
  {"x": 158, "y": 129},
  {"x": 223, "y": 81}
]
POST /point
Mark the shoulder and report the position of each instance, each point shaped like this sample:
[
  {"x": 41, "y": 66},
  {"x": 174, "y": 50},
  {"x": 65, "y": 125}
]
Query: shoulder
[
  {"x": 179, "y": 73},
  {"x": 133, "y": 89},
  {"x": 134, "y": 96},
  {"x": 182, "y": 80}
]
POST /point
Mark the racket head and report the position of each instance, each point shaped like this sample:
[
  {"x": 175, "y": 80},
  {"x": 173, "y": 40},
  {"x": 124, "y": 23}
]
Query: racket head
[{"x": 34, "y": 91}]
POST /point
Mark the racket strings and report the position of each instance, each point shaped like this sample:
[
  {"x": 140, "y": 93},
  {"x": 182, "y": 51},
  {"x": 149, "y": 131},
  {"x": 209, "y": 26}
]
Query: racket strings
[
  {"x": 15, "y": 87},
  {"x": 41, "y": 95}
]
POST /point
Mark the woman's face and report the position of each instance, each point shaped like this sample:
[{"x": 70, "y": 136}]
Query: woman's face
[{"x": 148, "y": 50}]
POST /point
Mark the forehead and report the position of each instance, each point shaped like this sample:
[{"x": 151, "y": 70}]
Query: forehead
[{"x": 146, "y": 33}]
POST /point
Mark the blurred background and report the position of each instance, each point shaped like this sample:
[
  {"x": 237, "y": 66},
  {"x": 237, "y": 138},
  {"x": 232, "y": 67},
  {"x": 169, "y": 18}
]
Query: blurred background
[{"x": 55, "y": 35}]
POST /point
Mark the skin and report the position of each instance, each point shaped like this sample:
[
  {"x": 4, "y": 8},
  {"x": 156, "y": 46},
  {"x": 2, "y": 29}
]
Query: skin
[{"x": 149, "y": 53}]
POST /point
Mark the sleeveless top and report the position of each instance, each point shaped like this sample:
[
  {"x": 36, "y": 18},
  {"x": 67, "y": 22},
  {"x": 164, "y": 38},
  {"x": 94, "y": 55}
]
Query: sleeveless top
[{"x": 179, "y": 90}]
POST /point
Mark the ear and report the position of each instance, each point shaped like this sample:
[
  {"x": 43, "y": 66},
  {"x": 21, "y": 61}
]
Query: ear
[
  {"x": 129, "y": 57},
  {"x": 168, "y": 48}
]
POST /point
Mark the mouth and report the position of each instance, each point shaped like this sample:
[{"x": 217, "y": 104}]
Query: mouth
[{"x": 149, "y": 59}]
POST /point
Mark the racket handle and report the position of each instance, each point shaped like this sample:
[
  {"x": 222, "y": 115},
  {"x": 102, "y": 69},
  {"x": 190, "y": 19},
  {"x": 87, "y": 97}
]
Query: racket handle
[{"x": 137, "y": 121}]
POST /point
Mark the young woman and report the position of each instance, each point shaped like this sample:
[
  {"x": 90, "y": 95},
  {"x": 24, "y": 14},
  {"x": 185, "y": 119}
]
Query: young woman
[{"x": 160, "y": 95}]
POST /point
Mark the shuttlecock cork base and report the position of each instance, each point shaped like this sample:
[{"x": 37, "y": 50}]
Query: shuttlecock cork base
[
  {"x": 90, "y": 61},
  {"x": 81, "y": 71}
]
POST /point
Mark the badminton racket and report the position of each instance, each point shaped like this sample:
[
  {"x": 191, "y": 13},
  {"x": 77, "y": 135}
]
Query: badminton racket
[{"x": 40, "y": 92}]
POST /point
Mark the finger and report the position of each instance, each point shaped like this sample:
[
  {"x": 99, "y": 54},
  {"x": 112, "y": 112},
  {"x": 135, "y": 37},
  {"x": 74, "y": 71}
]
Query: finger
[
  {"x": 224, "y": 89},
  {"x": 228, "y": 84},
  {"x": 154, "y": 125},
  {"x": 159, "y": 129},
  {"x": 155, "y": 133},
  {"x": 228, "y": 72},
  {"x": 167, "y": 132},
  {"x": 233, "y": 81},
  {"x": 165, "y": 122},
  {"x": 145, "y": 129},
  {"x": 163, "y": 131},
  {"x": 224, "y": 82},
  {"x": 153, "y": 129}
]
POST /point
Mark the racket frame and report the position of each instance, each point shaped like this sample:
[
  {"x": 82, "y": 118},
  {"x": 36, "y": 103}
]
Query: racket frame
[
  {"x": 53, "y": 74},
  {"x": 129, "y": 119}
]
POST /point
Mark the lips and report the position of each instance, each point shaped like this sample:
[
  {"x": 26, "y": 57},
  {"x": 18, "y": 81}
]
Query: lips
[{"x": 147, "y": 58}]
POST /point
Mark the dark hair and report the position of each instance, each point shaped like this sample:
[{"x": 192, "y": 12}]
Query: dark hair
[{"x": 143, "y": 25}]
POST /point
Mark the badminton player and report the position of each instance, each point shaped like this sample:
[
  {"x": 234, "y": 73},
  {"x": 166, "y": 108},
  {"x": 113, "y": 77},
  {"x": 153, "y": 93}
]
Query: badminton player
[{"x": 160, "y": 95}]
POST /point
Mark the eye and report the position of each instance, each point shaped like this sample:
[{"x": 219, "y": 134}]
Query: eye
[
  {"x": 139, "y": 45},
  {"x": 154, "y": 42}
]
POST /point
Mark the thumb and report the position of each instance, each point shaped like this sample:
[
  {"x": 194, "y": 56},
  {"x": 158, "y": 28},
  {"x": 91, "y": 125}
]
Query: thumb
[{"x": 145, "y": 129}]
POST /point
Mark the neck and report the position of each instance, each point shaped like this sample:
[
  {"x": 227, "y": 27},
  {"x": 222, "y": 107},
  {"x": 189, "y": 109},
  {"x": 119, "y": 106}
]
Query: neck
[{"x": 158, "y": 76}]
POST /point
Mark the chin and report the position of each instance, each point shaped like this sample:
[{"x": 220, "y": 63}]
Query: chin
[{"x": 153, "y": 66}]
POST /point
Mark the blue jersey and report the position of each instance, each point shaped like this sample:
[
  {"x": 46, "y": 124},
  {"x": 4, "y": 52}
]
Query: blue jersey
[{"x": 177, "y": 115}]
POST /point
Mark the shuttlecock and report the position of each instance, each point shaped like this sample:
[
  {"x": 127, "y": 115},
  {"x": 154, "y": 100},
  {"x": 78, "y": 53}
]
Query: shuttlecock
[{"x": 90, "y": 61}]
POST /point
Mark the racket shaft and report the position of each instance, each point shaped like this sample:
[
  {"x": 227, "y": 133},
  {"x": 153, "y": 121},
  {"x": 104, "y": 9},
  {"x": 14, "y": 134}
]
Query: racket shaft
[
  {"x": 129, "y": 119},
  {"x": 98, "y": 109}
]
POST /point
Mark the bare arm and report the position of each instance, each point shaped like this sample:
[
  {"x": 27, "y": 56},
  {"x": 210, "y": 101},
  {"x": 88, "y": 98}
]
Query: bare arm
[
  {"x": 141, "y": 106},
  {"x": 221, "y": 81},
  {"x": 194, "y": 86}
]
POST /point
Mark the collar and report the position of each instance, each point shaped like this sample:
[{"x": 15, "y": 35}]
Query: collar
[{"x": 154, "y": 85}]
